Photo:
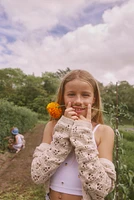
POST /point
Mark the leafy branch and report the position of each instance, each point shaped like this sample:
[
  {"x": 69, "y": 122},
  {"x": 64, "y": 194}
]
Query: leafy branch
[{"x": 124, "y": 177}]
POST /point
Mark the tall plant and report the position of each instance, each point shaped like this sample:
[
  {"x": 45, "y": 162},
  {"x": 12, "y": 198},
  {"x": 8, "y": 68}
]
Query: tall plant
[{"x": 124, "y": 177}]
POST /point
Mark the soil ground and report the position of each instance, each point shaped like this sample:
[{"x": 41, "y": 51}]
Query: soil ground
[{"x": 15, "y": 168}]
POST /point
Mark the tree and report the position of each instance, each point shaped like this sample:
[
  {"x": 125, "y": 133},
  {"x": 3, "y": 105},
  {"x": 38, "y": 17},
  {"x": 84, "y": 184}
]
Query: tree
[
  {"x": 10, "y": 79},
  {"x": 50, "y": 82},
  {"x": 125, "y": 95},
  {"x": 61, "y": 73}
]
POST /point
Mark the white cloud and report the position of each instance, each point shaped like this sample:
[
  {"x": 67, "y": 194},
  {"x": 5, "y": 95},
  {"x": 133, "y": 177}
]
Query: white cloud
[
  {"x": 45, "y": 14},
  {"x": 41, "y": 14}
]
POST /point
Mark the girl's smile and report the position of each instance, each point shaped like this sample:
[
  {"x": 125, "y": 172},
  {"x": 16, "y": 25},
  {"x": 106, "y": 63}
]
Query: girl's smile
[{"x": 78, "y": 110}]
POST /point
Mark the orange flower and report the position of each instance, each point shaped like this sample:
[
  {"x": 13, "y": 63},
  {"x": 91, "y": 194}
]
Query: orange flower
[{"x": 54, "y": 110}]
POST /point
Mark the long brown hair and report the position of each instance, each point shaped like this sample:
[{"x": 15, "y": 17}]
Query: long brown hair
[{"x": 82, "y": 75}]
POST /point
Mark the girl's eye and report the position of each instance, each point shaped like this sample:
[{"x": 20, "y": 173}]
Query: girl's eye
[
  {"x": 71, "y": 94},
  {"x": 86, "y": 95}
]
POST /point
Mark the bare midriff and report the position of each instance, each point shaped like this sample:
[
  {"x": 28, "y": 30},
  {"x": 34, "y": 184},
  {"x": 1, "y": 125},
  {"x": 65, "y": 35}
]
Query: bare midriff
[{"x": 63, "y": 196}]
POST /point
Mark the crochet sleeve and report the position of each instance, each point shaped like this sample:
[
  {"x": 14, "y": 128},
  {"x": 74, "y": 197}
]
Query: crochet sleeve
[
  {"x": 48, "y": 157},
  {"x": 97, "y": 175}
]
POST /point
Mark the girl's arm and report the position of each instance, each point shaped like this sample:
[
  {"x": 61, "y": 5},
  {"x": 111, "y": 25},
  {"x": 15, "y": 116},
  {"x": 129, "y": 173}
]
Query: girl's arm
[
  {"x": 16, "y": 139},
  {"x": 97, "y": 174},
  {"x": 49, "y": 155}
]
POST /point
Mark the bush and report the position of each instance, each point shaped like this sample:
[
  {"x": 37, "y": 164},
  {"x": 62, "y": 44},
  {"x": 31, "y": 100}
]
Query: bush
[{"x": 12, "y": 115}]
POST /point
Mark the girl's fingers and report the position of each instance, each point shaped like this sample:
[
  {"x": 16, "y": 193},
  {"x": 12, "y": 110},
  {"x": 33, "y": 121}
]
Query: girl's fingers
[
  {"x": 70, "y": 112},
  {"x": 88, "y": 116},
  {"x": 74, "y": 117},
  {"x": 68, "y": 105}
]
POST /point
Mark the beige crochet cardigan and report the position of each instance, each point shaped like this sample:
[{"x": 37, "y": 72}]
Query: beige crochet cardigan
[{"x": 97, "y": 174}]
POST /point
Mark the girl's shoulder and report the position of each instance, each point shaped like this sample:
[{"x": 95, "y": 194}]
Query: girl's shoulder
[
  {"x": 16, "y": 136},
  {"x": 105, "y": 131},
  {"x": 105, "y": 128},
  {"x": 51, "y": 124},
  {"x": 48, "y": 131}
]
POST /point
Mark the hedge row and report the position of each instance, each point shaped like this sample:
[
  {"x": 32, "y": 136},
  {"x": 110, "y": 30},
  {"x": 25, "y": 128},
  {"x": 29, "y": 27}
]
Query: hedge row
[{"x": 12, "y": 115}]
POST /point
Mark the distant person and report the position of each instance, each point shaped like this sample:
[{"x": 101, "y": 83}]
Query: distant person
[
  {"x": 74, "y": 160},
  {"x": 17, "y": 142}
]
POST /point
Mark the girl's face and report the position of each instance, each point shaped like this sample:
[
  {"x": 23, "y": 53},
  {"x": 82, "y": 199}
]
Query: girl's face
[{"x": 80, "y": 94}]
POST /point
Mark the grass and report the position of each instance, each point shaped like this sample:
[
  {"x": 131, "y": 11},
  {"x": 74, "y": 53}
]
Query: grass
[
  {"x": 128, "y": 155},
  {"x": 128, "y": 146},
  {"x": 31, "y": 193},
  {"x": 128, "y": 135}
]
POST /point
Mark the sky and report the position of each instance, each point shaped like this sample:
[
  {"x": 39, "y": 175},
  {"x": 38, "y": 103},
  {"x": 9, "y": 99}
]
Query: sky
[{"x": 41, "y": 36}]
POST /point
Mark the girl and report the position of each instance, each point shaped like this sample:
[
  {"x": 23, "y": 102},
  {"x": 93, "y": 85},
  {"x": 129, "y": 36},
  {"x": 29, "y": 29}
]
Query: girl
[
  {"x": 17, "y": 144},
  {"x": 74, "y": 160}
]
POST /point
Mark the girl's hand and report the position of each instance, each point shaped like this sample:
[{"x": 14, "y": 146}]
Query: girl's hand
[
  {"x": 88, "y": 116},
  {"x": 70, "y": 112}
]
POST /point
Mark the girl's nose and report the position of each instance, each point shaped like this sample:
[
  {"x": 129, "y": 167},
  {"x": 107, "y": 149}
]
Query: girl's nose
[{"x": 78, "y": 99}]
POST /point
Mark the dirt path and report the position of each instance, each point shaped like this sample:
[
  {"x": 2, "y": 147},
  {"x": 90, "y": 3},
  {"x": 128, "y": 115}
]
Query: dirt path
[{"x": 15, "y": 168}]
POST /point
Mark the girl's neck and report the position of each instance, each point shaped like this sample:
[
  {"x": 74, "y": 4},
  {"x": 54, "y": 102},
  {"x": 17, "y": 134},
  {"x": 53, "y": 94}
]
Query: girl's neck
[{"x": 94, "y": 124}]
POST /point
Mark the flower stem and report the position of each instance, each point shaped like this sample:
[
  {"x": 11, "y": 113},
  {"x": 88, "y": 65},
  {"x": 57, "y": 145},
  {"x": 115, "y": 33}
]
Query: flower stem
[
  {"x": 99, "y": 110},
  {"x": 85, "y": 107}
]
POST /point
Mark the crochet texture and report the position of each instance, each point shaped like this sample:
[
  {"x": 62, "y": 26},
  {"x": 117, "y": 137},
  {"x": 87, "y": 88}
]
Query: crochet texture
[{"x": 97, "y": 174}]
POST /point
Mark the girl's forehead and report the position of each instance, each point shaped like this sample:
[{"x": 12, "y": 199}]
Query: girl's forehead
[{"x": 80, "y": 84}]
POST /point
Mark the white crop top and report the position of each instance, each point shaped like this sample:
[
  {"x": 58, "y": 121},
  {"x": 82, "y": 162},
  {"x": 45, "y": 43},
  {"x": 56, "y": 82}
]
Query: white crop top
[{"x": 66, "y": 178}]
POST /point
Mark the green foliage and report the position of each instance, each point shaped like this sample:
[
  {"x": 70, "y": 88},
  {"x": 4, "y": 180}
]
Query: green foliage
[
  {"x": 12, "y": 115},
  {"x": 61, "y": 73},
  {"x": 124, "y": 188},
  {"x": 125, "y": 98},
  {"x": 10, "y": 79},
  {"x": 50, "y": 82},
  {"x": 126, "y": 173},
  {"x": 27, "y": 90},
  {"x": 128, "y": 154},
  {"x": 30, "y": 90},
  {"x": 36, "y": 92},
  {"x": 128, "y": 132}
]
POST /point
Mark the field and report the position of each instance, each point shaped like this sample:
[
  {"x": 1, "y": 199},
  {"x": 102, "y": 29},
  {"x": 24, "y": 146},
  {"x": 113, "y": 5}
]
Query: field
[{"x": 15, "y": 179}]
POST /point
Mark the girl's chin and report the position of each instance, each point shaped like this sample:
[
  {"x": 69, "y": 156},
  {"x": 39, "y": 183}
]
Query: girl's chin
[{"x": 80, "y": 113}]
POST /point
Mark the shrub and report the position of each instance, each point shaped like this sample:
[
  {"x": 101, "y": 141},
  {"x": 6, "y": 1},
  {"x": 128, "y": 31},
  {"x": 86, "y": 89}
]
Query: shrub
[{"x": 12, "y": 115}]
